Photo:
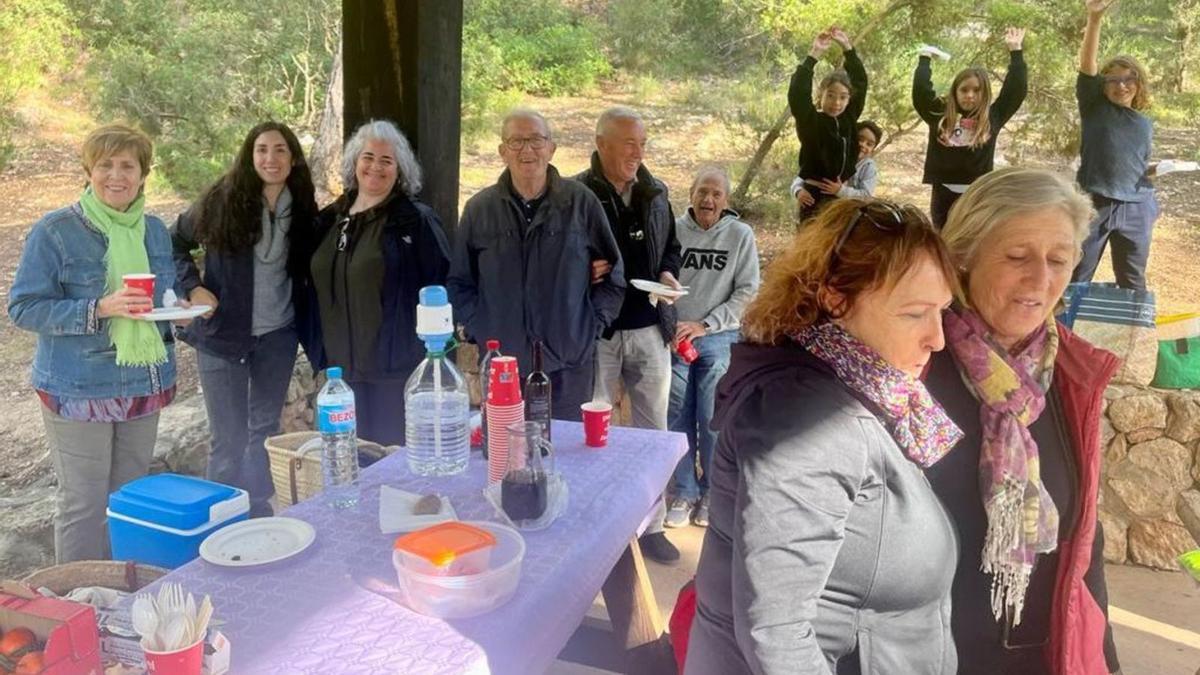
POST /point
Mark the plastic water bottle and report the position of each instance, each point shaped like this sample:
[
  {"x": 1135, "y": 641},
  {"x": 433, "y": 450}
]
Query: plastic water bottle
[
  {"x": 339, "y": 435},
  {"x": 485, "y": 376},
  {"x": 437, "y": 402}
]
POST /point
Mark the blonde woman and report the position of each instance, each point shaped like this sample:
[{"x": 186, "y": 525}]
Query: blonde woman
[
  {"x": 102, "y": 375},
  {"x": 1029, "y": 595}
]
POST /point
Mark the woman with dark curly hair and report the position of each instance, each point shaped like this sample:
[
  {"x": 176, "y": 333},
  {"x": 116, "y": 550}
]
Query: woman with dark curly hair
[{"x": 256, "y": 226}]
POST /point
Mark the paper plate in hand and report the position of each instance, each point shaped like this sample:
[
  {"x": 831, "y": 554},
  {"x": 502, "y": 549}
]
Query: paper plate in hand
[
  {"x": 174, "y": 313},
  {"x": 257, "y": 542},
  {"x": 657, "y": 288}
]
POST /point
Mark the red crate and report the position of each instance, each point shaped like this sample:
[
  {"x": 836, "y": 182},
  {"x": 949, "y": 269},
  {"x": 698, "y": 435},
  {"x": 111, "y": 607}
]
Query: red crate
[{"x": 67, "y": 629}]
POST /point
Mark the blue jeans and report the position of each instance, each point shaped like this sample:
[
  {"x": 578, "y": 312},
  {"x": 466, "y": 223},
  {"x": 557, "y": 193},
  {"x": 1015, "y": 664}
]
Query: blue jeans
[
  {"x": 693, "y": 392},
  {"x": 244, "y": 399}
]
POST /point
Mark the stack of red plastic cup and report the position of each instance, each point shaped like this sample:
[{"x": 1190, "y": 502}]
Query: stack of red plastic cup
[{"x": 504, "y": 407}]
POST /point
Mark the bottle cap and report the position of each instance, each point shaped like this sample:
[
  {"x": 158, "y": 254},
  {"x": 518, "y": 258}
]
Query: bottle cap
[
  {"x": 492, "y": 344},
  {"x": 333, "y": 373}
]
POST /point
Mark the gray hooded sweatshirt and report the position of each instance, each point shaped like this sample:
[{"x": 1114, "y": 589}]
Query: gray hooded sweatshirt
[{"x": 720, "y": 267}]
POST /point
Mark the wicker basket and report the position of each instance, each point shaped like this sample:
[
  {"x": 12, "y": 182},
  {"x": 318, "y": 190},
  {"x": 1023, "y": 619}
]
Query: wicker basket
[
  {"x": 126, "y": 576},
  {"x": 296, "y": 469}
]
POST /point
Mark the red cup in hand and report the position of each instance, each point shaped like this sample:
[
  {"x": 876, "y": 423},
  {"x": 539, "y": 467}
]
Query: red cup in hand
[
  {"x": 143, "y": 281},
  {"x": 687, "y": 351},
  {"x": 597, "y": 416}
]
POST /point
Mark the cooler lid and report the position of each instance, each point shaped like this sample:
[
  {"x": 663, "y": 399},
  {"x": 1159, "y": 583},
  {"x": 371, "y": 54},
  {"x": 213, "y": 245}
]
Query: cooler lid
[{"x": 172, "y": 500}]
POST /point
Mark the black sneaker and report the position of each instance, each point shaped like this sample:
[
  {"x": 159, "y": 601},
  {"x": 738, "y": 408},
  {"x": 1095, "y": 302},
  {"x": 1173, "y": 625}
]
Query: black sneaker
[{"x": 658, "y": 548}]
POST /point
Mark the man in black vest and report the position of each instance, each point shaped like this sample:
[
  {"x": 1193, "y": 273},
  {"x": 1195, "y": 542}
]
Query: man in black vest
[{"x": 633, "y": 354}]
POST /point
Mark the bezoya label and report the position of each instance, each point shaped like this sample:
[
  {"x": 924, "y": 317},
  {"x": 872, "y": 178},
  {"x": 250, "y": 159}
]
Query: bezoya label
[{"x": 335, "y": 419}]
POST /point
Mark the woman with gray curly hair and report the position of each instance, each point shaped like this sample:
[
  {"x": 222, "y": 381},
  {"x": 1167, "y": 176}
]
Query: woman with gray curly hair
[{"x": 377, "y": 246}]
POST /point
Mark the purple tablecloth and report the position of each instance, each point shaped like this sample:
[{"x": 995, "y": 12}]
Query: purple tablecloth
[{"x": 335, "y": 608}]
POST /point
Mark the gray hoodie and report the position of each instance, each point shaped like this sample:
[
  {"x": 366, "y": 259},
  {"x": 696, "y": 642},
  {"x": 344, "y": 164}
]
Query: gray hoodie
[{"x": 720, "y": 267}]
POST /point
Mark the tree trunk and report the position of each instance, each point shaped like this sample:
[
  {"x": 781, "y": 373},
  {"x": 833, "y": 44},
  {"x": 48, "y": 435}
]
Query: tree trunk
[
  {"x": 325, "y": 158},
  {"x": 772, "y": 135}
]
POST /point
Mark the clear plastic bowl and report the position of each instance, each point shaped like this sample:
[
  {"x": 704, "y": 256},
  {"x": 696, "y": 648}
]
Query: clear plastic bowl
[{"x": 457, "y": 597}]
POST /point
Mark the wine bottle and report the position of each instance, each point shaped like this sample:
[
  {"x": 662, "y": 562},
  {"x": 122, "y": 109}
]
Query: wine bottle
[{"x": 538, "y": 393}]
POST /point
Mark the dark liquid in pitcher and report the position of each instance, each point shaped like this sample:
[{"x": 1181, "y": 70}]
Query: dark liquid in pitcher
[{"x": 523, "y": 498}]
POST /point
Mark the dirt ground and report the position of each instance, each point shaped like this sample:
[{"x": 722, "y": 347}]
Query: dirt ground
[{"x": 45, "y": 176}]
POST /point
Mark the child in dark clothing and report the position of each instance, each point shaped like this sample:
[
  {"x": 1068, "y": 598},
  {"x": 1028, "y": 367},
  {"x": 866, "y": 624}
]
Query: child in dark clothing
[
  {"x": 1115, "y": 158},
  {"x": 964, "y": 124},
  {"x": 866, "y": 174},
  {"x": 828, "y": 147}
]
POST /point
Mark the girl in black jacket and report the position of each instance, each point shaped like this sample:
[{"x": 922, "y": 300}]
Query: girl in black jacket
[
  {"x": 964, "y": 124},
  {"x": 827, "y": 132},
  {"x": 255, "y": 225}
]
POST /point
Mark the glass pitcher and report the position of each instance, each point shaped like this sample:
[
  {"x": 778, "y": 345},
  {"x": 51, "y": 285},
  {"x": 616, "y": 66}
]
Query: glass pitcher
[{"x": 524, "y": 492}]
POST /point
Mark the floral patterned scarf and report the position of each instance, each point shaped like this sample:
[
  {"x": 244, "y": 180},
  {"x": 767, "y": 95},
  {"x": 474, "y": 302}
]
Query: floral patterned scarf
[
  {"x": 1011, "y": 388},
  {"x": 916, "y": 422}
]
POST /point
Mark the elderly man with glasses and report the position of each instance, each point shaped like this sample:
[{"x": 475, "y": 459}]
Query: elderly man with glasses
[{"x": 522, "y": 265}]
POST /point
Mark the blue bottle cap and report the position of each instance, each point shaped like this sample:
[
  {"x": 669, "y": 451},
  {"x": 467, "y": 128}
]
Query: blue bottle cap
[
  {"x": 333, "y": 373},
  {"x": 433, "y": 296}
]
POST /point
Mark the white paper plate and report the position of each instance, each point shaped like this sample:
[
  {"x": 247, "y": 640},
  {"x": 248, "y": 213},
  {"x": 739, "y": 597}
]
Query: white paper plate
[
  {"x": 257, "y": 542},
  {"x": 657, "y": 288},
  {"x": 174, "y": 313}
]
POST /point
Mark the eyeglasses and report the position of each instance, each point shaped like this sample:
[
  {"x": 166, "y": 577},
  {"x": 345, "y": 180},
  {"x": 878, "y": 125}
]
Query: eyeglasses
[
  {"x": 891, "y": 211},
  {"x": 534, "y": 142},
  {"x": 1117, "y": 81}
]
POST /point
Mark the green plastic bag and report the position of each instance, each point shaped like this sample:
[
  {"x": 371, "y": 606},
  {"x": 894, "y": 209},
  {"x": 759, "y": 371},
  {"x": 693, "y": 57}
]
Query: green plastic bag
[{"x": 1178, "y": 352}]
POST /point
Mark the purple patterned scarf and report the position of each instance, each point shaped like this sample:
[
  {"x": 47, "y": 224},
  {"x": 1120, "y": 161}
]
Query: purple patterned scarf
[
  {"x": 1011, "y": 389},
  {"x": 916, "y": 422}
]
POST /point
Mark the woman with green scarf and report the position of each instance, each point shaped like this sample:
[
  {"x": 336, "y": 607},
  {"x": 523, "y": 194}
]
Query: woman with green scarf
[{"x": 102, "y": 374}]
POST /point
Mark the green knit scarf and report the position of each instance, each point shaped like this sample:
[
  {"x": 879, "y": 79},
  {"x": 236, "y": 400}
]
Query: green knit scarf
[{"x": 138, "y": 342}]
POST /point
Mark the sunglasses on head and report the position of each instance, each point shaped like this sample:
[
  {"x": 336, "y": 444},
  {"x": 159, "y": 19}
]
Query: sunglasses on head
[{"x": 884, "y": 216}]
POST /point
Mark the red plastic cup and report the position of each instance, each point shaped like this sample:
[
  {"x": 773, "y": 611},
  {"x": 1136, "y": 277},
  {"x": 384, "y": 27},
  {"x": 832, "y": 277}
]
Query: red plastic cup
[
  {"x": 597, "y": 415},
  {"x": 504, "y": 383},
  {"x": 687, "y": 351},
  {"x": 142, "y": 281},
  {"x": 186, "y": 661}
]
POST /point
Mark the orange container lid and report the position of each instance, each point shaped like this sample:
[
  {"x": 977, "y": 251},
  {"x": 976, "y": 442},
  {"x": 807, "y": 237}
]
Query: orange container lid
[{"x": 441, "y": 544}]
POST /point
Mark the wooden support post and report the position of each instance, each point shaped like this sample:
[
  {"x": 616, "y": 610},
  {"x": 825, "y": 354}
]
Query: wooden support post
[
  {"x": 636, "y": 624},
  {"x": 402, "y": 61}
]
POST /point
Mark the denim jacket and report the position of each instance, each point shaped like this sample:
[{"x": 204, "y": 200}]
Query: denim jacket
[{"x": 56, "y": 293}]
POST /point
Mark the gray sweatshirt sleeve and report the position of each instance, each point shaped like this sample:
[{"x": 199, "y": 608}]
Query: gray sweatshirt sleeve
[
  {"x": 728, "y": 314},
  {"x": 797, "y": 483},
  {"x": 863, "y": 182}
]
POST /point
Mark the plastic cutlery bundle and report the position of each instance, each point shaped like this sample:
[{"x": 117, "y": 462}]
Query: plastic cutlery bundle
[{"x": 171, "y": 620}]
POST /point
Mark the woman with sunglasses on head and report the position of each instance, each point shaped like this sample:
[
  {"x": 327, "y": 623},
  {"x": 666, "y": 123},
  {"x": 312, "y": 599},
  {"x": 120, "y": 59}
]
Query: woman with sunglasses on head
[
  {"x": 256, "y": 227},
  {"x": 1029, "y": 594},
  {"x": 378, "y": 245},
  {"x": 827, "y": 551},
  {"x": 1114, "y": 168}
]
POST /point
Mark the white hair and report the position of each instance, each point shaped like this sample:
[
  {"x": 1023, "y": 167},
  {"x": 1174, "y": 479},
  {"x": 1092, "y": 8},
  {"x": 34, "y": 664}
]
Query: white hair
[
  {"x": 525, "y": 114},
  {"x": 408, "y": 171},
  {"x": 711, "y": 171},
  {"x": 608, "y": 117}
]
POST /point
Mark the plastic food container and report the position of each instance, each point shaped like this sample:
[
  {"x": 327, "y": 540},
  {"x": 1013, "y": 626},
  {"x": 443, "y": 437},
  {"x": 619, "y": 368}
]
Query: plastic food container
[
  {"x": 483, "y": 579},
  {"x": 447, "y": 549}
]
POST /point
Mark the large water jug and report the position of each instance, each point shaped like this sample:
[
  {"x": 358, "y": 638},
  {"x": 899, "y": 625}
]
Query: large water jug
[
  {"x": 437, "y": 402},
  {"x": 338, "y": 425}
]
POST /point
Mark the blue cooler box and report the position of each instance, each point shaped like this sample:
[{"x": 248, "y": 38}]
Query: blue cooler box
[{"x": 161, "y": 519}]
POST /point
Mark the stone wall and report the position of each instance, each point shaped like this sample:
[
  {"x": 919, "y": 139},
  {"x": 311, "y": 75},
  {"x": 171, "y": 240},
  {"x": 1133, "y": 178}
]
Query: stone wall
[{"x": 1150, "y": 476}]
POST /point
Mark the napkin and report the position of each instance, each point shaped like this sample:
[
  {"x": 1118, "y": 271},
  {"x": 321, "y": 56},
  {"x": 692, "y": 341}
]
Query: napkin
[{"x": 396, "y": 511}]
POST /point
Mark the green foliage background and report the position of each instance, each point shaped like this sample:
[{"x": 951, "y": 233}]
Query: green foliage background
[{"x": 197, "y": 73}]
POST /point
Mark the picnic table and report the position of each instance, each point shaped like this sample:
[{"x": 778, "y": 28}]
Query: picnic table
[{"x": 336, "y": 608}]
